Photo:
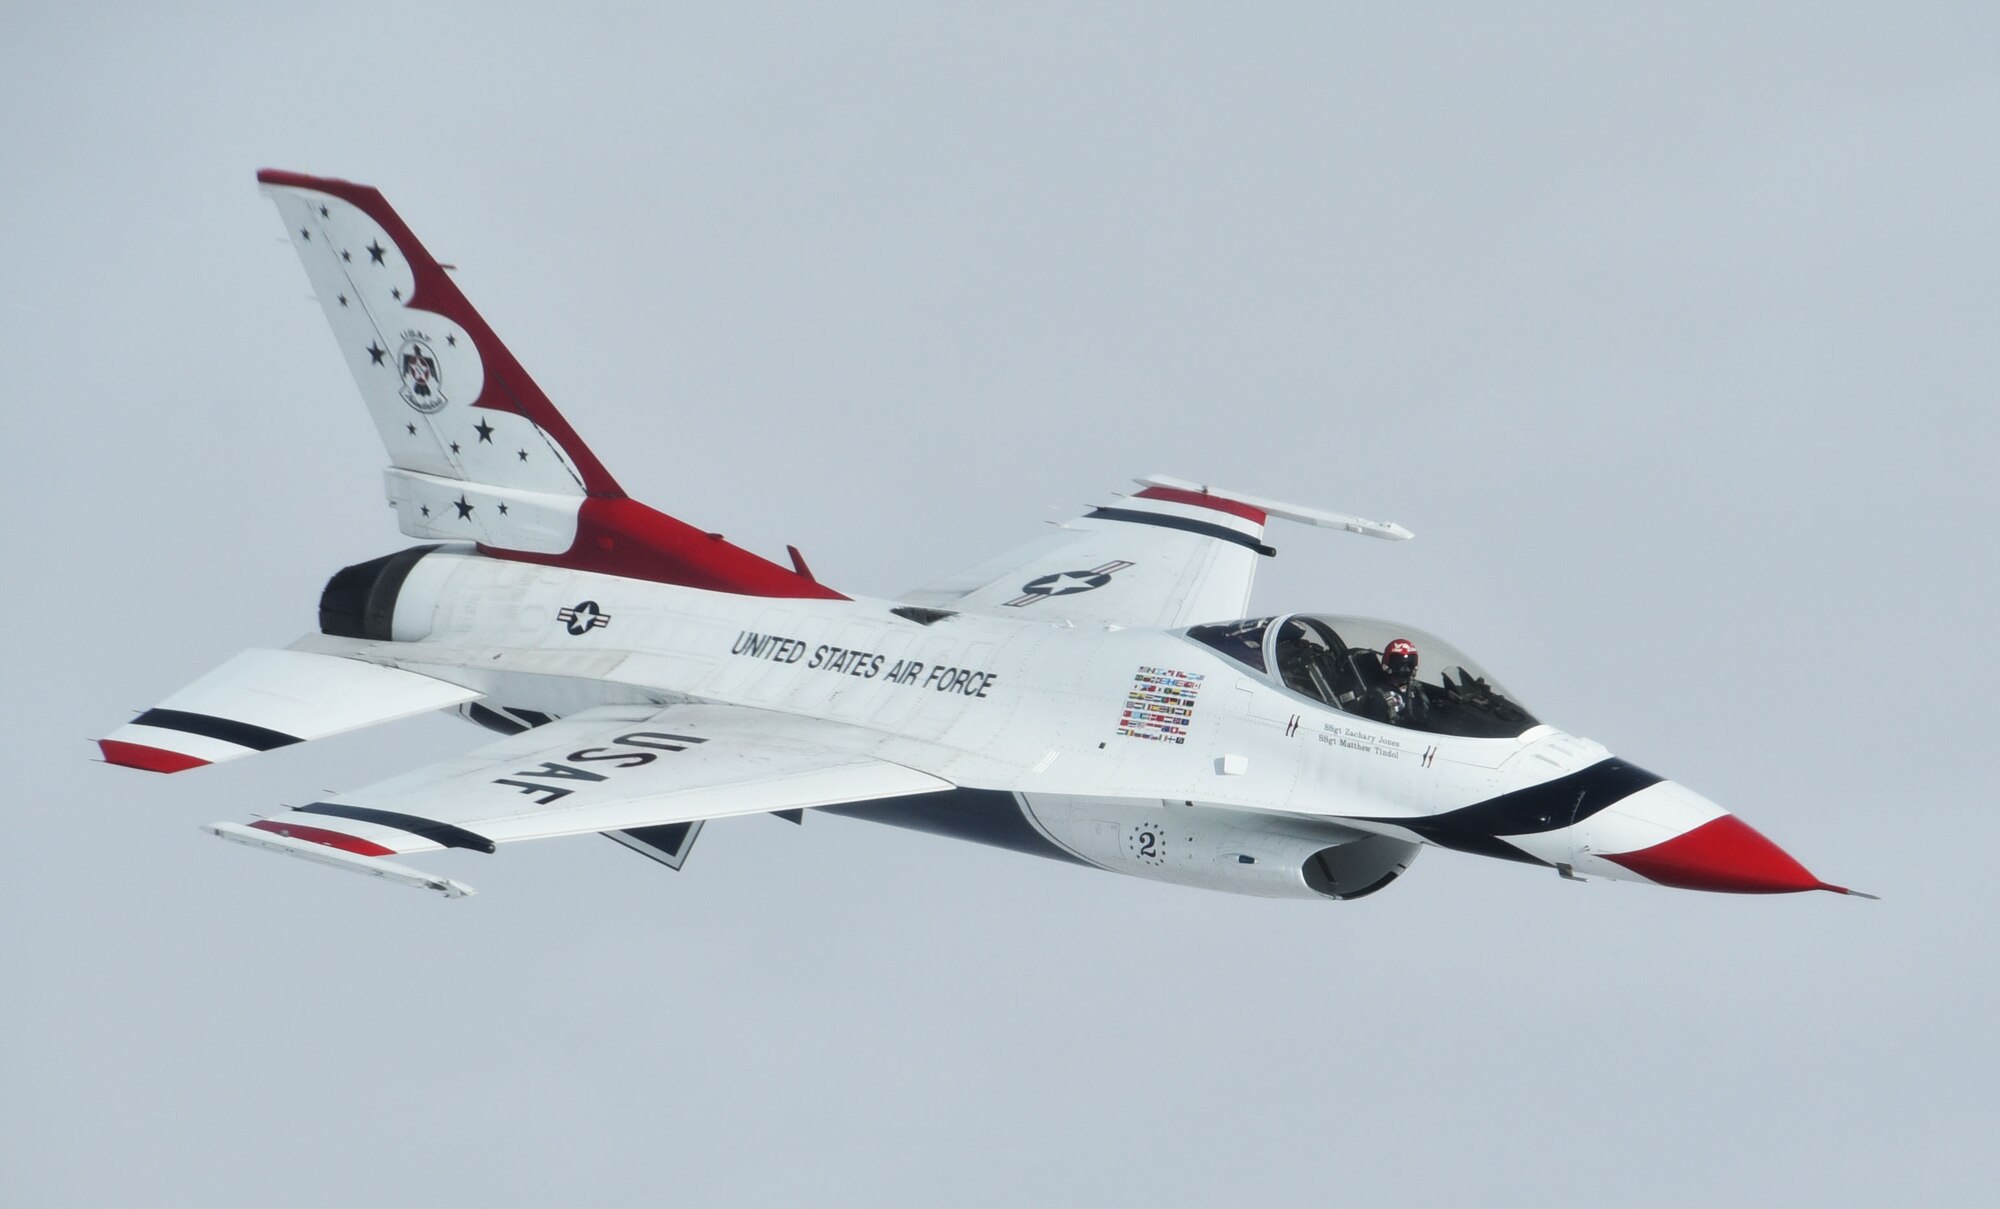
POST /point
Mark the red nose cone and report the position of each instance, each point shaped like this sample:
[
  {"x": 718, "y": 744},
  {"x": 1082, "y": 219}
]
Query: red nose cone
[{"x": 1723, "y": 854}]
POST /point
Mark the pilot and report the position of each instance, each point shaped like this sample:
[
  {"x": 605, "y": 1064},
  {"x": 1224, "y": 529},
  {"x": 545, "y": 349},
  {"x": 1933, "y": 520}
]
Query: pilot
[{"x": 1402, "y": 698}]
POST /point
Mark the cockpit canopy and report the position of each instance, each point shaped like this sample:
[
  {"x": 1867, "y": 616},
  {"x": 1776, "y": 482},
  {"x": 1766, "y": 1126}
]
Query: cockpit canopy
[{"x": 1339, "y": 661}]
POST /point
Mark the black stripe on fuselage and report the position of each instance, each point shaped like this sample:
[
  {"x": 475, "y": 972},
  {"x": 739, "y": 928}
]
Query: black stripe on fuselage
[
  {"x": 441, "y": 833},
  {"x": 1550, "y": 806},
  {"x": 983, "y": 816},
  {"x": 229, "y": 730},
  {"x": 1221, "y": 533}
]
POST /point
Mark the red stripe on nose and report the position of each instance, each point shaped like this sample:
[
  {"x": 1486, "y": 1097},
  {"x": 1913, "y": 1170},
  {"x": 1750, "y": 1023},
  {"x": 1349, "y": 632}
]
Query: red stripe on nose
[{"x": 1724, "y": 854}]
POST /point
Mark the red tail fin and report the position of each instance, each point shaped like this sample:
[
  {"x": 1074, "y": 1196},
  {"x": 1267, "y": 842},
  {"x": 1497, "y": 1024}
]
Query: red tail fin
[{"x": 476, "y": 450}]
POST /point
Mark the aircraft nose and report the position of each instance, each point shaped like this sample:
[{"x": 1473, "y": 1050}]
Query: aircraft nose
[{"x": 1705, "y": 847}]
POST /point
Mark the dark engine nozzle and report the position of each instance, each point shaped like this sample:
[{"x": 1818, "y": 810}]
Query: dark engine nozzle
[{"x": 360, "y": 601}]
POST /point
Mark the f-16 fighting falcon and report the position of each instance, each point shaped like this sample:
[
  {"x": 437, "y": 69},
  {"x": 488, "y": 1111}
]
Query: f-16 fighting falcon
[{"x": 1099, "y": 696}]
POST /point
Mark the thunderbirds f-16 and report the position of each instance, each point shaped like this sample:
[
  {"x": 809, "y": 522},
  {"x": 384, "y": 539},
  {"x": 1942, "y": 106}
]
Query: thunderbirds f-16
[{"x": 1099, "y": 696}]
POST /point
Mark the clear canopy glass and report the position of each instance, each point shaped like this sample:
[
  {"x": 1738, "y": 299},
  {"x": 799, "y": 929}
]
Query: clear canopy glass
[{"x": 1349, "y": 664}]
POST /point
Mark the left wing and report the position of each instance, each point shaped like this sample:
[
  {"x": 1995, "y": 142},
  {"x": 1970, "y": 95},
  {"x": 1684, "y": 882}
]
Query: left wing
[
  {"x": 614, "y": 769},
  {"x": 1174, "y": 554}
]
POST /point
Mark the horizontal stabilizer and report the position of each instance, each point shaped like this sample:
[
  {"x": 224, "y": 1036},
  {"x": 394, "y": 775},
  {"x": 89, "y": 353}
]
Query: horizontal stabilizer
[{"x": 265, "y": 699}]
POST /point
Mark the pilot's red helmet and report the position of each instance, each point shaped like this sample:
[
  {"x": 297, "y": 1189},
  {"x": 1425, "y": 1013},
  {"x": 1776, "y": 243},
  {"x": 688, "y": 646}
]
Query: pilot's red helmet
[{"x": 1399, "y": 656}]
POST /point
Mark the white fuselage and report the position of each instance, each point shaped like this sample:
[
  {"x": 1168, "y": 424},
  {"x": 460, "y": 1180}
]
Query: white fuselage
[{"x": 1144, "y": 751}]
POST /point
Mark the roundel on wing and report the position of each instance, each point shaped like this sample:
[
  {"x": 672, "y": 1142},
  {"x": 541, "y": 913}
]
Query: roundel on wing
[{"x": 1066, "y": 583}]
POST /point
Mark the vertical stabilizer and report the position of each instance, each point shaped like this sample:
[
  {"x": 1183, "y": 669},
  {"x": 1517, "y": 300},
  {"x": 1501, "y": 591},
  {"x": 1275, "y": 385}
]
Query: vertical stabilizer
[{"x": 476, "y": 450}]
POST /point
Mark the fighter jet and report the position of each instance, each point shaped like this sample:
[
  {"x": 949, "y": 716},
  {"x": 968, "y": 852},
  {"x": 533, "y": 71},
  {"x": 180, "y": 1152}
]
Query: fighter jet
[{"x": 1102, "y": 695}]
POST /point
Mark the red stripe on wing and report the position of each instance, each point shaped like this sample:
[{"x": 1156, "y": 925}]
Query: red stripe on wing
[
  {"x": 320, "y": 835},
  {"x": 1202, "y": 499},
  {"x": 152, "y": 759}
]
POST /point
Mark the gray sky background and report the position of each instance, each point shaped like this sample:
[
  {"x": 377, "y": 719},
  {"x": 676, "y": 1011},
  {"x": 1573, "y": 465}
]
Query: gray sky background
[{"x": 1670, "y": 331}]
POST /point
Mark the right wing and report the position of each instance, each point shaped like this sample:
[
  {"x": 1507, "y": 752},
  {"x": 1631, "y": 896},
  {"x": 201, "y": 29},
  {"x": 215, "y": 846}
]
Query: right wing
[
  {"x": 613, "y": 769},
  {"x": 1174, "y": 554}
]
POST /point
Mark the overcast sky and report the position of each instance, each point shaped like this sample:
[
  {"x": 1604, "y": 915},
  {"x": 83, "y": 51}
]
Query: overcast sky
[{"x": 1669, "y": 330}]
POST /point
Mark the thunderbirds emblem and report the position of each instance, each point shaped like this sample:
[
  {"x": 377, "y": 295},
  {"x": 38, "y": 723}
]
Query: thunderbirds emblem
[{"x": 423, "y": 385}]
